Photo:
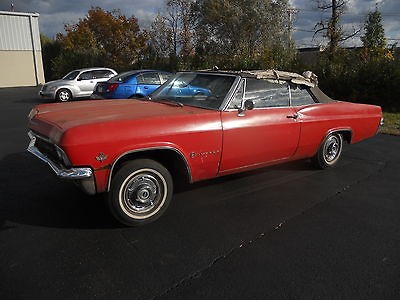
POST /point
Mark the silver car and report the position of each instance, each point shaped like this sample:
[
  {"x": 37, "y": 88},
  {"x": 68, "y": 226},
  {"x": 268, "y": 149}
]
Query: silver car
[{"x": 76, "y": 84}]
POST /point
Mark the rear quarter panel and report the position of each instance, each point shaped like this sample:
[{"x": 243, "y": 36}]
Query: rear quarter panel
[
  {"x": 127, "y": 88},
  {"x": 319, "y": 120}
]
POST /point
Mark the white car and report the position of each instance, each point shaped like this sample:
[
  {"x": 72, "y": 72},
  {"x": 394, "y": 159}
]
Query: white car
[{"x": 76, "y": 84}]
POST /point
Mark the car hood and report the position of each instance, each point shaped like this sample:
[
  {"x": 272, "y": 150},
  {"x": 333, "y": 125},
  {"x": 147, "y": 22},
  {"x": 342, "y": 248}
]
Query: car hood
[{"x": 52, "y": 120}]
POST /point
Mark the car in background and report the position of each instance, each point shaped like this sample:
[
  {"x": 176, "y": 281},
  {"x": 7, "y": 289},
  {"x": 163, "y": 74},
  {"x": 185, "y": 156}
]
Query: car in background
[
  {"x": 76, "y": 84},
  {"x": 182, "y": 88},
  {"x": 132, "y": 84}
]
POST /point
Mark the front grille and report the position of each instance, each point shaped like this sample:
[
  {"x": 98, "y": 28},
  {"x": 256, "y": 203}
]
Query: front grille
[{"x": 47, "y": 148}]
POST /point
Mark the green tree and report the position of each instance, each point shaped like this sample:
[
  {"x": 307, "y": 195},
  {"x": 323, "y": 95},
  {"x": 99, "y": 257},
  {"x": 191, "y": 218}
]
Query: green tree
[
  {"x": 50, "y": 50},
  {"x": 374, "y": 37}
]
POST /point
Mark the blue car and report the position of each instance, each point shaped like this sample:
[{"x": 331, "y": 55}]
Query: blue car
[{"x": 132, "y": 84}]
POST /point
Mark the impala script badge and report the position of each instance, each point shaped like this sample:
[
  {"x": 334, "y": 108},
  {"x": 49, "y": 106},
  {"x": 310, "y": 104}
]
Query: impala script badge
[{"x": 203, "y": 154}]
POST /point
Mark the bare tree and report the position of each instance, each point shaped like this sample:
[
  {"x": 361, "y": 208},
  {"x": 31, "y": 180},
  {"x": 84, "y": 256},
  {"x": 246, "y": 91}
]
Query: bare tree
[
  {"x": 161, "y": 37},
  {"x": 171, "y": 33},
  {"x": 178, "y": 23},
  {"x": 332, "y": 28},
  {"x": 248, "y": 33},
  {"x": 173, "y": 21}
]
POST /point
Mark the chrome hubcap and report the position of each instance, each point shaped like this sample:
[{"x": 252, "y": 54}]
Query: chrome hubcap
[
  {"x": 142, "y": 193},
  {"x": 331, "y": 148}
]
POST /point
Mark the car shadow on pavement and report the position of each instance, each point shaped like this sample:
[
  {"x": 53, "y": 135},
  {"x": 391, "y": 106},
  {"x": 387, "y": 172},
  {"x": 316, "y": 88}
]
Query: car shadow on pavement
[
  {"x": 300, "y": 165},
  {"x": 31, "y": 194},
  {"x": 22, "y": 95}
]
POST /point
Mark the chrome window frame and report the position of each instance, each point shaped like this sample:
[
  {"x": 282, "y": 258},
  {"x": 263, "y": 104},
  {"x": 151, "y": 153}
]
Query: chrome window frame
[{"x": 237, "y": 85}]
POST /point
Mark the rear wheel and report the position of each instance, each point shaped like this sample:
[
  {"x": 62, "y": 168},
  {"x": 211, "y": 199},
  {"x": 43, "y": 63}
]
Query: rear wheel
[
  {"x": 329, "y": 152},
  {"x": 64, "y": 95},
  {"x": 140, "y": 192}
]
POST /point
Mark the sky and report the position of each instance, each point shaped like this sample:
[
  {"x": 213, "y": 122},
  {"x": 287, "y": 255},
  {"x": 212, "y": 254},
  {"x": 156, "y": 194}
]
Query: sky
[{"x": 55, "y": 13}]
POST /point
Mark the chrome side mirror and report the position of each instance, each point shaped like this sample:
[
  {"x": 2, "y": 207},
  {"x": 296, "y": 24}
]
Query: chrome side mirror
[{"x": 248, "y": 105}]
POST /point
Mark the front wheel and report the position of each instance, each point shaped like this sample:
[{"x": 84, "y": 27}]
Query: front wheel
[
  {"x": 141, "y": 191},
  {"x": 64, "y": 95},
  {"x": 329, "y": 152}
]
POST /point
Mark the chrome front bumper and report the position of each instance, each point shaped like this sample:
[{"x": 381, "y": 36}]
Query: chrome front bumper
[{"x": 83, "y": 176}]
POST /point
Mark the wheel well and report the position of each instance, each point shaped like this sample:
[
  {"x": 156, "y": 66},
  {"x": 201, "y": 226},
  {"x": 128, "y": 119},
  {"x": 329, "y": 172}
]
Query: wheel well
[
  {"x": 136, "y": 96},
  {"x": 64, "y": 88},
  {"x": 346, "y": 134},
  {"x": 170, "y": 159}
]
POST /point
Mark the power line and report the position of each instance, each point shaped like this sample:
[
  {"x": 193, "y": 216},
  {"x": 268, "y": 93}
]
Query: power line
[
  {"x": 387, "y": 14},
  {"x": 303, "y": 30}
]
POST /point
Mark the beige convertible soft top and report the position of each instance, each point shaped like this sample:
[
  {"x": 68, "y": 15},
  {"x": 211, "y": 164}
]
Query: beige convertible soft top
[{"x": 308, "y": 79}]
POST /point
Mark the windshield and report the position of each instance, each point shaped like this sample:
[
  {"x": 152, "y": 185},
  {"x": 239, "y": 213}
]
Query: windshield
[
  {"x": 196, "y": 89},
  {"x": 71, "y": 75}
]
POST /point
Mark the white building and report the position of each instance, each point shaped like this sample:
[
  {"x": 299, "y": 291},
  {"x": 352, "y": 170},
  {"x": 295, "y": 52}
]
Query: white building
[{"x": 20, "y": 50}]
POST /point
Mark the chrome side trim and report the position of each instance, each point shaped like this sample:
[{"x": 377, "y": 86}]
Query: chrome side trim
[
  {"x": 64, "y": 173},
  {"x": 148, "y": 149}
]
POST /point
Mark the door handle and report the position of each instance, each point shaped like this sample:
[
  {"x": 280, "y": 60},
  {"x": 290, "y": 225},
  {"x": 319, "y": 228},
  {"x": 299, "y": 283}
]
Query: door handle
[{"x": 294, "y": 116}]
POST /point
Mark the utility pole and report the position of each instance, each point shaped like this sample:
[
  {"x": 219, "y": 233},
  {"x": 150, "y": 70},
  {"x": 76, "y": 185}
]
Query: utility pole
[{"x": 292, "y": 12}]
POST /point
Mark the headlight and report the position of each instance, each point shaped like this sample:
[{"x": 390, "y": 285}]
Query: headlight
[{"x": 33, "y": 113}]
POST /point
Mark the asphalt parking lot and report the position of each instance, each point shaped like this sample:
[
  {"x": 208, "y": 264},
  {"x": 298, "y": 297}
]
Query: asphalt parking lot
[{"x": 281, "y": 233}]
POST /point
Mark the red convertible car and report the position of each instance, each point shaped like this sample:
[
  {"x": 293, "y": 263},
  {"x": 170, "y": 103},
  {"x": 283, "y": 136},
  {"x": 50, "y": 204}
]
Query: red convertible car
[{"x": 196, "y": 126}]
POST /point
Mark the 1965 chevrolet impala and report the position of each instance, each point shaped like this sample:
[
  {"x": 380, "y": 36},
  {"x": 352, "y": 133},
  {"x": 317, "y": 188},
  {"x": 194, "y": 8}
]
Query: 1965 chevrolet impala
[{"x": 197, "y": 125}]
